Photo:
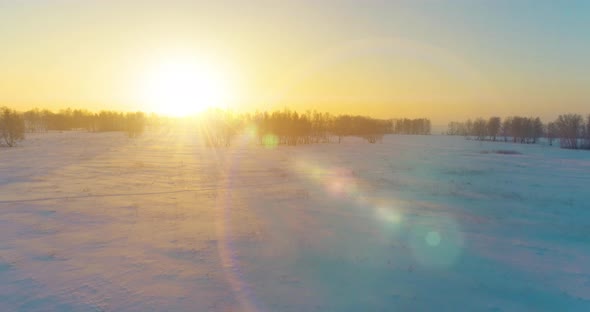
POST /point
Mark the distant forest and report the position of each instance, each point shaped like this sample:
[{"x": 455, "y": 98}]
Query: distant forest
[
  {"x": 219, "y": 127},
  {"x": 571, "y": 130},
  {"x": 288, "y": 127}
]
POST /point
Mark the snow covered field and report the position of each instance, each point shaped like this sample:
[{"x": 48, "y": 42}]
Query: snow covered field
[{"x": 100, "y": 222}]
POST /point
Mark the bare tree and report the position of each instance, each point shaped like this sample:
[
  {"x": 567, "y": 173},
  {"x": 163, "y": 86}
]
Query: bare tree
[
  {"x": 480, "y": 129},
  {"x": 218, "y": 127},
  {"x": 411, "y": 126},
  {"x": 35, "y": 121},
  {"x": 134, "y": 124},
  {"x": 537, "y": 129},
  {"x": 468, "y": 129},
  {"x": 494, "y": 124},
  {"x": 12, "y": 126},
  {"x": 569, "y": 127},
  {"x": 456, "y": 128},
  {"x": 586, "y": 134},
  {"x": 552, "y": 132},
  {"x": 506, "y": 129}
]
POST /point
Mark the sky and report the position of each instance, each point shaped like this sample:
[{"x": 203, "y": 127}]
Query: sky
[{"x": 446, "y": 60}]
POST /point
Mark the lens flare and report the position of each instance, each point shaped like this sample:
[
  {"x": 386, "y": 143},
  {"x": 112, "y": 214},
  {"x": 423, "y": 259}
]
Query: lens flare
[
  {"x": 436, "y": 243},
  {"x": 270, "y": 141},
  {"x": 432, "y": 238},
  {"x": 388, "y": 215}
]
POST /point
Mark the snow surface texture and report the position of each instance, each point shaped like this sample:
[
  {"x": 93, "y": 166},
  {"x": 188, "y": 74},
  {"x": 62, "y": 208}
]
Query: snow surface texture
[{"x": 100, "y": 222}]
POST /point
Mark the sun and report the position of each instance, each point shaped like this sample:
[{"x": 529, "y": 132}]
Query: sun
[{"x": 183, "y": 87}]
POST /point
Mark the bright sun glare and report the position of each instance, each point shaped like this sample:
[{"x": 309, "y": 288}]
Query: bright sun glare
[{"x": 183, "y": 87}]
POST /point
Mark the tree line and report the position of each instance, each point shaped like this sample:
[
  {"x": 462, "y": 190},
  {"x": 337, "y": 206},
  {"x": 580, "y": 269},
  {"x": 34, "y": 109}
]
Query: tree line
[
  {"x": 572, "y": 130},
  {"x": 218, "y": 127},
  {"x": 411, "y": 126},
  {"x": 14, "y": 125},
  {"x": 288, "y": 127},
  {"x": 37, "y": 120}
]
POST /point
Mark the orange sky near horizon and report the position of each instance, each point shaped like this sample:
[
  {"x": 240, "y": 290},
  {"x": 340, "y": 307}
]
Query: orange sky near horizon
[{"x": 373, "y": 58}]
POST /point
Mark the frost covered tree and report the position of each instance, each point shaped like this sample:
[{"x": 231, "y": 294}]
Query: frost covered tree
[{"x": 12, "y": 126}]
